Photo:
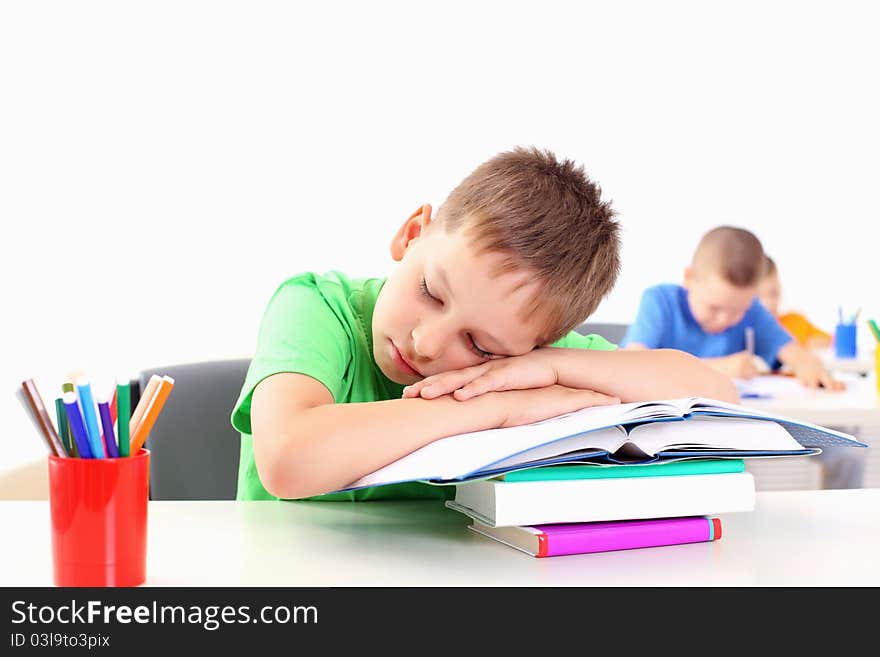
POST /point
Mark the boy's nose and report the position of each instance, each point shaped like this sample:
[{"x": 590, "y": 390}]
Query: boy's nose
[{"x": 428, "y": 342}]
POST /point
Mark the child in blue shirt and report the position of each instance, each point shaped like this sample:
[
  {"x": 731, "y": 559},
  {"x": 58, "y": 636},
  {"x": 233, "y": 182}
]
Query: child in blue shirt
[{"x": 709, "y": 316}]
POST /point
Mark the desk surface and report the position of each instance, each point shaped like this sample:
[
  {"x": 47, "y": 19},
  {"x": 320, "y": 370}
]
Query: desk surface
[
  {"x": 858, "y": 405},
  {"x": 863, "y": 363},
  {"x": 793, "y": 538}
]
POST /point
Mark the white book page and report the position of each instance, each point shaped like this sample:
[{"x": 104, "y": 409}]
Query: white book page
[
  {"x": 462, "y": 454},
  {"x": 702, "y": 405},
  {"x": 686, "y": 405},
  {"x": 713, "y": 433},
  {"x": 696, "y": 404},
  {"x": 609, "y": 439}
]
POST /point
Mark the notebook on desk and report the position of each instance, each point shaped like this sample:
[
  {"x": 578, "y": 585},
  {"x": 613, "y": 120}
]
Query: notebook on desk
[{"x": 768, "y": 387}]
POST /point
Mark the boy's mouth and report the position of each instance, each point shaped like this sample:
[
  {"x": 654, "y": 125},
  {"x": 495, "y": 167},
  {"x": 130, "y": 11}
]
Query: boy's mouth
[{"x": 402, "y": 363}]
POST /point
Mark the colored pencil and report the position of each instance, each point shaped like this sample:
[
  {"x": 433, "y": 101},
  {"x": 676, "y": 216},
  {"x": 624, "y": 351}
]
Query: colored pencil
[
  {"x": 123, "y": 403},
  {"x": 875, "y": 330},
  {"x": 68, "y": 387},
  {"x": 39, "y": 422},
  {"x": 139, "y": 436},
  {"x": 35, "y": 401},
  {"x": 108, "y": 437},
  {"x": 137, "y": 414},
  {"x": 61, "y": 420},
  {"x": 113, "y": 406},
  {"x": 77, "y": 426},
  {"x": 90, "y": 416},
  {"x": 29, "y": 411}
]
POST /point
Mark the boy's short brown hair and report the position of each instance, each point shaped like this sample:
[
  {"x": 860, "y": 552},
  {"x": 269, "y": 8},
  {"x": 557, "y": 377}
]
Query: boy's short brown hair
[
  {"x": 769, "y": 266},
  {"x": 734, "y": 253},
  {"x": 547, "y": 216}
]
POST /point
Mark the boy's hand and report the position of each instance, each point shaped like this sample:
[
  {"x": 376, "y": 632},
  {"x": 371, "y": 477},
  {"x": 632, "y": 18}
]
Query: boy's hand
[
  {"x": 811, "y": 373},
  {"x": 531, "y": 370},
  {"x": 527, "y": 406},
  {"x": 807, "y": 367}
]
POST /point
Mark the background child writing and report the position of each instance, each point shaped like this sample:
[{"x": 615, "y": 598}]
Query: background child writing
[
  {"x": 709, "y": 315},
  {"x": 521, "y": 252}
]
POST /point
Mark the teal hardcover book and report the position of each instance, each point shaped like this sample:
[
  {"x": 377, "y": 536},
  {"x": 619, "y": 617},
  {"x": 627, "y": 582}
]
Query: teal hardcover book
[{"x": 581, "y": 471}]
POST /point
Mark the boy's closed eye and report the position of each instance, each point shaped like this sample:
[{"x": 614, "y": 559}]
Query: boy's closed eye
[
  {"x": 482, "y": 353},
  {"x": 423, "y": 285}
]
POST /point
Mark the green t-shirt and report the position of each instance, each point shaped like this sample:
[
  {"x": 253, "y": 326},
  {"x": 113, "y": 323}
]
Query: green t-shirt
[{"x": 321, "y": 326}]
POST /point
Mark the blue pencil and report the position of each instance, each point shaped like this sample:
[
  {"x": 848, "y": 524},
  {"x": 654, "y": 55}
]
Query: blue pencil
[
  {"x": 77, "y": 428},
  {"x": 91, "y": 418},
  {"x": 109, "y": 436}
]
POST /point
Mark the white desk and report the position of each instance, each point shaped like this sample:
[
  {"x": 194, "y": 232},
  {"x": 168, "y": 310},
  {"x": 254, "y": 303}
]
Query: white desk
[
  {"x": 862, "y": 364},
  {"x": 793, "y": 538},
  {"x": 855, "y": 410},
  {"x": 858, "y": 405}
]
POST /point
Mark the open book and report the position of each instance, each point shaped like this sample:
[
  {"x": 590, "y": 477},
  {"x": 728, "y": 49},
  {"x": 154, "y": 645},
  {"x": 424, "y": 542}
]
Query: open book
[{"x": 639, "y": 432}]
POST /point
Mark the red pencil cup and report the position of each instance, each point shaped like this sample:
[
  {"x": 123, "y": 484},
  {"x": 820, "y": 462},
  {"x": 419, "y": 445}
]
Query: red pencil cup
[{"x": 99, "y": 519}]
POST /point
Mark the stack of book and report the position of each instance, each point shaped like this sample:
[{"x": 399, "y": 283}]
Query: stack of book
[
  {"x": 575, "y": 509},
  {"x": 645, "y": 473}
]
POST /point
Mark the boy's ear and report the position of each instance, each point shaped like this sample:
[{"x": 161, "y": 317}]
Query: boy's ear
[
  {"x": 411, "y": 229},
  {"x": 688, "y": 276}
]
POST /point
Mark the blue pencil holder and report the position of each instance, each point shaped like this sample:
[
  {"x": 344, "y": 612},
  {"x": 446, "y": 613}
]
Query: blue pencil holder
[{"x": 845, "y": 340}]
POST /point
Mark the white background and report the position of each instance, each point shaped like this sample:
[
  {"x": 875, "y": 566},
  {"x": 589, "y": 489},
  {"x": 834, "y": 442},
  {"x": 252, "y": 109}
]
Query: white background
[{"x": 164, "y": 165}]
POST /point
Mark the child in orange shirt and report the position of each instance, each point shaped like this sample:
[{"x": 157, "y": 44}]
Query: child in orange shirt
[{"x": 801, "y": 329}]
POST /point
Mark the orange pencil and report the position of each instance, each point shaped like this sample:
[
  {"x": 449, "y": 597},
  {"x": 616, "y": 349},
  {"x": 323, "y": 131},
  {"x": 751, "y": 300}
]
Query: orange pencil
[
  {"x": 152, "y": 412},
  {"x": 138, "y": 414}
]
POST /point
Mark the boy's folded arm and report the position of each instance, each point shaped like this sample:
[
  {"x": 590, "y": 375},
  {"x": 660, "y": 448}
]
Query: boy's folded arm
[
  {"x": 305, "y": 444},
  {"x": 641, "y": 375}
]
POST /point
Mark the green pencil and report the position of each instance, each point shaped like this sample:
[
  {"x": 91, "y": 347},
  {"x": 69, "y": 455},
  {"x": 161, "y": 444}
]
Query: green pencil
[
  {"x": 874, "y": 329},
  {"x": 63, "y": 430},
  {"x": 67, "y": 386},
  {"x": 123, "y": 415}
]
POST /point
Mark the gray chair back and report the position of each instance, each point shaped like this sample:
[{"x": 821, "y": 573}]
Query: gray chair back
[
  {"x": 609, "y": 330},
  {"x": 193, "y": 447}
]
